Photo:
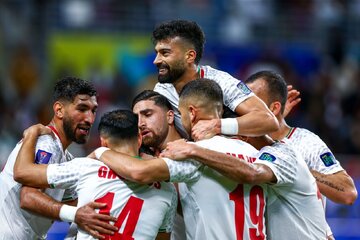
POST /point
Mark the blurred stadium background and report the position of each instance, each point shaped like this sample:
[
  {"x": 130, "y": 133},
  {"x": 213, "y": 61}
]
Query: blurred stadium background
[{"x": 314, "y": 44}]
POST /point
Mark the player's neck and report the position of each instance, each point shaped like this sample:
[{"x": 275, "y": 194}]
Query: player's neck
[
  {"x": 189, "y": 75},
  {"x": 282, "y": 132},
  {"x": 171, "y": 136},
  {"x": 59, "y": 131},
  {"x": 126, "y": 149}
]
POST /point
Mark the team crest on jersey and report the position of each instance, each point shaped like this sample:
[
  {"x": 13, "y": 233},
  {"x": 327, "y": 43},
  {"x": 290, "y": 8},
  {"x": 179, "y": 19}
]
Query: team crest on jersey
[
  {"x": 42, "y": 157},
  {"x": 267, "y": 157},
  {"x": 242, "y": 86},
  {"x": 328, "y": 159}
]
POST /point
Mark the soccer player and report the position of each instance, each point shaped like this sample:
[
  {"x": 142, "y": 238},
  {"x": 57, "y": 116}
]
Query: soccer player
[
  {"x": 293, "y": 208},
  {"x": 179, "y": 47},
  {"x": 156, "y": 120},
  {"x": 26, "y": 213},
  {"x": 142, "y": 211},
  {"x": 331, "y": 178},
  {"x": 157, "y": 126},
  {"x": 214, "y": 205}
]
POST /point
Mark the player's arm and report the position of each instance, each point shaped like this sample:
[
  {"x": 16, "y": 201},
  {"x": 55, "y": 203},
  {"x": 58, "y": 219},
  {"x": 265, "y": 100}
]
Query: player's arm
[
  {"x": 26, "y": 171},
  {"x": 34, "y": 200},
  {"x": 255, "y": 119},
  {"x": 134, "y": 169},
  {"x": 231, "y": 167},
  {"x": 338, "y": 187},
  {"x": 40, "y": 203}
]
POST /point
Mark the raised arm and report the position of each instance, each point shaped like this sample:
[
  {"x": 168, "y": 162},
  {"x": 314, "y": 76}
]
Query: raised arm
[
  {"x": 25, "y": 170},
  {"x": 134, "y": 169},
  {"x": 338, "y": 187},
  {"x": 255, "y": 119},
  {"x": 231, "y": 167},
  {"x": 34, "y": 200}
]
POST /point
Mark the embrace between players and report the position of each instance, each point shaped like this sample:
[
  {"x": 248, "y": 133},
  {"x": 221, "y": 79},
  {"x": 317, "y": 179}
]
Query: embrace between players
[{"x": 233, "y": 182}]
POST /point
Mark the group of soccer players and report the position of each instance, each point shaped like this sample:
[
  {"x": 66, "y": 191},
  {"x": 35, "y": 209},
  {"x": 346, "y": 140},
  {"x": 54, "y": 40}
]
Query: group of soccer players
[{"x": 247, "y": 175}]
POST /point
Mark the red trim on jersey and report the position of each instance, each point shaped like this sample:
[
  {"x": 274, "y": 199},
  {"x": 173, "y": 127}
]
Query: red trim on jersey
[
  {"x": 291, "y": 132},
  {"x": 54, "y": 130},
  {"x": 202, "y": 73}
]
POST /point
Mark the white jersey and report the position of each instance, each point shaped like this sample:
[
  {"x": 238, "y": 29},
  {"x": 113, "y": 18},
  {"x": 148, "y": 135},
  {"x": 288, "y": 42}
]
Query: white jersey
[
  {"x": 234, "y": 92},
  {"x": 215, "y": 207},
  {"x": 294, "y": 209},
  {"x": 16, "y": 223},
  {"x": 316, "y": 154},
  {"x": 142, "y": 210}
]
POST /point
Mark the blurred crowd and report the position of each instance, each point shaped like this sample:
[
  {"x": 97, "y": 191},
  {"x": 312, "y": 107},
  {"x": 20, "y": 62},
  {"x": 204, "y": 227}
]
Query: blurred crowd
[{"x": 314, "y": 44}]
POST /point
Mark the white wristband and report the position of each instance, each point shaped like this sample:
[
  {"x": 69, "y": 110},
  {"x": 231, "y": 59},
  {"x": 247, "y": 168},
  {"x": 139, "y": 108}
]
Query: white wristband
[
  {"x": 99, "y": 151},
  {"x": 67, "y": 213},
  {"x": 229, "y": 126}
]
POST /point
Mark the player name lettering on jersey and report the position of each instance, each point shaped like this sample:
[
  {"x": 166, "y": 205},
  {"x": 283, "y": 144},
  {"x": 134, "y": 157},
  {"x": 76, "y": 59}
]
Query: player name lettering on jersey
[
  {"x": 242, "y": 157},
  {"x": 105, "y": 172}
]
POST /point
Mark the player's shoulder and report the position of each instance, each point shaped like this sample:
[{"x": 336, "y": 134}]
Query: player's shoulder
[
  {"x": 159, "y": 87},
  {"x": 302, "y": 133},
  {"x": 279, "y": 150},
  {"x": 213, "y": 74}
]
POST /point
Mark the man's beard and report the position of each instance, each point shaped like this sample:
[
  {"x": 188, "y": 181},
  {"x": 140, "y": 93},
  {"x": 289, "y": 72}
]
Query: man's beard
[
  {"x": 70, "y": 132},
  {"x": 153, "y": 142},
  {"x": 172, "y": 74}
]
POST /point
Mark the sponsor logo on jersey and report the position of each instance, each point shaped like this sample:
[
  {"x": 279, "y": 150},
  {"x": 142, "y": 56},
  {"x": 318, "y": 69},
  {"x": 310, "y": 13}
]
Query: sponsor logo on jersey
[
  {"x": 242, "y": 86},
  {"x": 328, "y": 159},
  {"x": 42, "y": 157},
  {"x": 267, "y": 157}
]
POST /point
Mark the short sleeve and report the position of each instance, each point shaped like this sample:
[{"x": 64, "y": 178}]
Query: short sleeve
[
  {"x": 47, "y": 150},
  {"x": 64, "y": 175},
  {"x": 281, "y": 159},
  {"x": 183, "y": 171},
  {"x": 234, "y": 90}
]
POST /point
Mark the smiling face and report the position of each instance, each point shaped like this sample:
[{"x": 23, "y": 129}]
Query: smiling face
[
  {"x": 78, "y": 118},
  {"x": 153, "y": 122},
  {"x": 170, "y": 59}
]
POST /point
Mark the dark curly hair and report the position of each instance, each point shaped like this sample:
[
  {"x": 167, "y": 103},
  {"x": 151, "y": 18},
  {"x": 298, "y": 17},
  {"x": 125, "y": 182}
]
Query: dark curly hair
[
  {"x": 188, "y": 30},
  {"x": 67, "y": 88}
]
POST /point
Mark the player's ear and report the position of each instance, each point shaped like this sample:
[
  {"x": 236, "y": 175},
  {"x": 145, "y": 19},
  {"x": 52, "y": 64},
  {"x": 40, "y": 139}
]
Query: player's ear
[
  {"x": 275, "y": 108},
  {"x": 58, "y": 108},
  {"x": 170, "y": 116},
  {"x": 192, "y": 113},
  {"x": 103, "y": 142},
  {"x": 191, "y": 55}
]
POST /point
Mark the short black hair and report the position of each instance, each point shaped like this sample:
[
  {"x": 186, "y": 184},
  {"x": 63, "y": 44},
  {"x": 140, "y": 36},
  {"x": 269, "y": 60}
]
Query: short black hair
[
  {"x": 204, "y": 88},
  {"x": 158, "y": 99},
  {"x": 68, "y": 88},
  {"x": 119, "y": 125},
  {"x": 187, "y": 30},
  {"x": 276, "y": 86}
]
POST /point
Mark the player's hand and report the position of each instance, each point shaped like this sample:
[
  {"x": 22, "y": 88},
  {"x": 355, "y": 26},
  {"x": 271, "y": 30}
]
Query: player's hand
[
  {"x": 204, "y": 129},
  {"x": 94, "y": 223},
  {"x": 178, "y": 150},
  {"x": 37, "y": 130},
  {"x": 293, "y": 99}
]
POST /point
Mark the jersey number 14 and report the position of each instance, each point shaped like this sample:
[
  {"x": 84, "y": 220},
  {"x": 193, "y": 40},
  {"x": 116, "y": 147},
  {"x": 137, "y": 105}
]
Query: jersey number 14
[{"x": 131, "y": 212}]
